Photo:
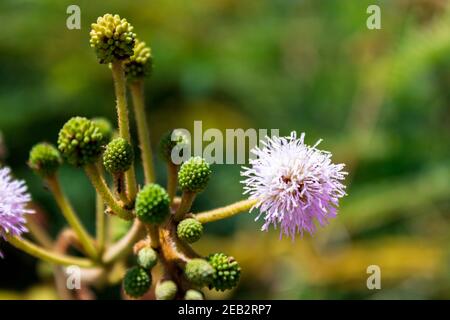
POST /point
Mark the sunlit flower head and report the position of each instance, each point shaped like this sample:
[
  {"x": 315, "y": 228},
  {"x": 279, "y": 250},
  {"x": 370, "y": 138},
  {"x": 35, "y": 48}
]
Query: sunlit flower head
[
  {"x": 295, "y": 185},
  {"x": 13, "y": 205}
]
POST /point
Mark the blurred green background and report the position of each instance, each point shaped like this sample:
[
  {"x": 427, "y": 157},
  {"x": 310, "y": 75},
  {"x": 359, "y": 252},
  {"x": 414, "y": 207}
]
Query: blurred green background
[{"x": 379, "y": 98}]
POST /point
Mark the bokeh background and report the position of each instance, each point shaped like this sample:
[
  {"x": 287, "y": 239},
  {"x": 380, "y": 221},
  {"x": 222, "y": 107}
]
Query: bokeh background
[{"x": 379, "y": 98}]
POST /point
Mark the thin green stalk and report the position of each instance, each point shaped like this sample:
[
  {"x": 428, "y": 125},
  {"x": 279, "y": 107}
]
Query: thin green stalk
[
  {"x": 137, "y": 94},
  {"x": 100, "y": 222},
  {"x": 48, "y": 256},
  {"x": 226, "y": 212},
  {"x": 100, "y": 186},
  {"x": 172, "y": 180},
  {"x": 71, "y": 217},
  {"x": 187, "y": 198},
  {"x": 124, "y": 125},
  {"x": 153, "y": 233}
]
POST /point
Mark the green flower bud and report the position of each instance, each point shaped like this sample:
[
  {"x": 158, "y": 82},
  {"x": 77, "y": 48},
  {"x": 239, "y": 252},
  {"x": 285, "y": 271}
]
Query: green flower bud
[
  {"x": 192, "y": 294},
  {"x": 80, "y": 141},
  {"x": 194, "y": 175},
  {"x": 147, "y": 258},
  {"x": 112, "y": 38},
  {"x": 105, "y": 127},
  {"x": 136, "y": 282},
  {"x": 152, "y": 204},
  {"x": 189, "y": 230},
  {"x": 140, "y": 63},
  {"x": 227, "y": 271},
  {"x": 172, "y": 139},
  {"x": 45, "y": 159},
  {"x": 118, "y": 156},
  {"x": 199, "y": 272},
  {"x": 166, "y": 290}
]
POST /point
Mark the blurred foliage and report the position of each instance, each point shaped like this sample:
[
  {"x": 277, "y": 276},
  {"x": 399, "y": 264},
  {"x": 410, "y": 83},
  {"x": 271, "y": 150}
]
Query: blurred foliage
[{"x": 379, "y": 99}]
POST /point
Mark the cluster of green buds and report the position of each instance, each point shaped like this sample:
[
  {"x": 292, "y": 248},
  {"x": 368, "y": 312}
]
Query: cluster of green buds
[
  {"x": 138, "y": 279},
  {"x": 171, "y": 227},
  {"x": 140, "y": 63},
  {"x": 112, "y": 38}
]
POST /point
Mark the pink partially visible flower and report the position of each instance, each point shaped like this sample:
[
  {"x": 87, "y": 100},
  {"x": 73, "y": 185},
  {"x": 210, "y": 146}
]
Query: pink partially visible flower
[
  {"x": 13, "y": 205},
  {"x": 296, "y": 185}
]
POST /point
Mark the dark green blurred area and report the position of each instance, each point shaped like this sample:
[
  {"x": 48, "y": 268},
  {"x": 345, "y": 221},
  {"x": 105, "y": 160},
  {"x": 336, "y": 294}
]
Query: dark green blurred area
[{"x": 379, "y": 98}]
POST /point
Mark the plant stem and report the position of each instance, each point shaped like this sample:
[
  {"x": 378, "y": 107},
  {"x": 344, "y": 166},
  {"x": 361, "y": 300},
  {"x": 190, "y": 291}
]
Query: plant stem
[
  {"x": 226, "y": 212},
  {"x": 100, "y": 186},
  {"x": 153, "y": 233},
  {"x": 118, "y": 74},
  {"x": 187, "y": 198},
  {"x": 137, "y": 94},
  {"x": 71, "y": 217},
  {"x": 172, "y": 180},
  {"x": 48, "y": 256},
  {"x": 100, "y": 222},
  {"x": 124, "y": 245}
]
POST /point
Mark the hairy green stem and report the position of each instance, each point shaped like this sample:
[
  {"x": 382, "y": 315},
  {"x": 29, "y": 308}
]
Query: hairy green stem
[
  {"x": 66, "y": 208},
  {"x": 100, "y": 222},
  {"x": 43, "y": 254},
  {"x": 124, "y": 125},
  {"x": 226, "y": 212},
  {"x": 153, "y": 233},
  {"x": 187, "y": 198},
  {"x": 100, "y": 186},
  {"x": 137, "y": 94}
]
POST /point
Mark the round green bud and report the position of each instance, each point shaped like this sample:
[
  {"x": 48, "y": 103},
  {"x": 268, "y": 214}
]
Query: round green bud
[
  {"x": 80, "y": 141},
  {"x": 192, "y": 294},
  {"x": 112, "y": 38},
  {"x": 118, "y": 156},
  {"x": 194, "y": 175},
  {"x": 140, "y": 63},
  {"x": 189, "y": 230},
  {"x": 152, "y": 204},
  {"x": 170, "y": 140},
  {"x": 45, "y": 159},
  {"x": 226, "y": 271},
  {"x": 147, "y": 258},
  {"x": 166, "y": 290},
  {"x": 105, "y": 127},
  {"x": 136, "y": 282},
  {"x": 199, "y": 272}
]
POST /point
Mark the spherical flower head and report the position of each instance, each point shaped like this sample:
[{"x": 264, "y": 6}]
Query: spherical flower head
[
  {"x": 44, "y": 159},
  {"x": 152, "y": 204},
  {"x": 80, "y": 141},
  {"x": 112, "y": 38},
  {"x": 192, "y": 294},
  {"x": 172, "y": 139},
  {"x": 294, "y": 184},
  {"x": 166, "y": 290},
  {"x": 199, "y": 272},
  {"x": 14, "y": 199},
  {"x": 136, "y": 282},
  {"x": 194, "y": 175},
  {"x": 105, "y": 127},
  {"x": 190, "y": 230},
  {"x": 227, "y": 271},
  {"x": 147, "y": 258},
  {"x": 140, "y": 63},
  {"x": 118, "y": 156}
]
